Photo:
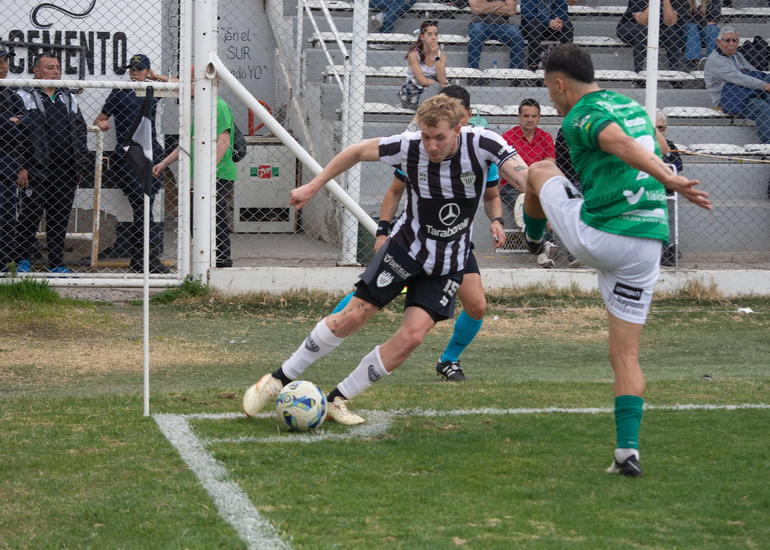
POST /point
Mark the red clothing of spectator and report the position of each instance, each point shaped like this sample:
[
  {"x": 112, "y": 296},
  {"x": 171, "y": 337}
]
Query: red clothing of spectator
[{"x": 541, "y": 147}]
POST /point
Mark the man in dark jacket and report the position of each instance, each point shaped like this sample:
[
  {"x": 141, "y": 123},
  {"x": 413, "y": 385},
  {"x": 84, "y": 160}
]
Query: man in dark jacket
[
  {"x": 55, "y": 155},
  {"x": 10, "y": 153}
]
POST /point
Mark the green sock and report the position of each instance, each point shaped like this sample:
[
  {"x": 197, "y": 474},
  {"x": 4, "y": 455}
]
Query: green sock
[
  {"x": 628, "y": 418},
  {"x": 535, "y": 227}
]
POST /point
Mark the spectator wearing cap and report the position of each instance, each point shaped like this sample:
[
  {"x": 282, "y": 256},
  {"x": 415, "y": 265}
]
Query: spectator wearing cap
[
  {"x": 11, "y": 109},
  {"x": 491, "y": 21},
  {"x": 55, "y": 154},
  {"x": 735, "y": 85},
  {"x": 123, "y": 106}
]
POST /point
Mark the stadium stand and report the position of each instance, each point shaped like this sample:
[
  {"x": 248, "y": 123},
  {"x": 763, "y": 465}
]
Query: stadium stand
[{"x": 695, "y": 124}]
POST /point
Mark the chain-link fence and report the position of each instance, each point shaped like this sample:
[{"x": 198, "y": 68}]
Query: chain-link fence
[
  {"x": 68, "y": 191},
  {"x": 305, "y": 62},
  {"x": 497, "y": 56}
]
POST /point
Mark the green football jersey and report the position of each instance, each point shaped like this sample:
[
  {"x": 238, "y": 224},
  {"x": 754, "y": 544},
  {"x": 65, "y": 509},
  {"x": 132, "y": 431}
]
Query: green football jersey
[{"x": 618, "y": 198}]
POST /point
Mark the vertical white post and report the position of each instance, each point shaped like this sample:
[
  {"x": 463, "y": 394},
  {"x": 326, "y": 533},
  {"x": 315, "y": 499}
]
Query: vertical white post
[
  {"x": 204, "y": 164},
  {"x": 355, "y": 124},
  {"x": 296, "y": 70},
  {"x": 185, "y": 121},
  {"x": 653, "y": 52},
  {"x": 146, "y": 305}
]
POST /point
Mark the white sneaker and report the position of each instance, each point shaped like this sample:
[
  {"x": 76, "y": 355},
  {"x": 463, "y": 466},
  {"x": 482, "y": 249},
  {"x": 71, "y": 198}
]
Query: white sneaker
[
  {"x": 551, "y": 249},
  {"x": 378, "y": 20},
  {"x": 545, "y": 262},
  {"x": 576, "y": 263},
  {"x": 338, "y": 411},
  {"x": 258, "y": 395}
]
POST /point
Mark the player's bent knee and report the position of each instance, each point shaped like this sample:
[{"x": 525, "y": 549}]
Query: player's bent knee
[
  {"x": 540, "y": 172},
  {"x": 475, "y": 309},
  {"x": 409, "y": 340}
]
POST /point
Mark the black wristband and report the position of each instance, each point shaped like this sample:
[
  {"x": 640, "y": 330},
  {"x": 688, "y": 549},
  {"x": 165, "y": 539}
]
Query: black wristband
[
  {"x": 383, "y": 228},
  {"x": 499, "y": 219}
]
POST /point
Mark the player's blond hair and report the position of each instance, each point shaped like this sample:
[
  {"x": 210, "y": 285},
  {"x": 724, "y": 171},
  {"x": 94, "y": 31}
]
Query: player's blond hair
[{"x": 439, "y": 108}]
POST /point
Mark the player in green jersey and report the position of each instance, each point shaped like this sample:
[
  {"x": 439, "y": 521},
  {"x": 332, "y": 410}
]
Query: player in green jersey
[{"x": 616, "y": 226}]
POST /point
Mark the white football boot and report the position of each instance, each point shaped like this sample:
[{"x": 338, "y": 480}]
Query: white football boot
[
  {"x": 260, "y": 394},
  {"x": 338, "y": 411}
]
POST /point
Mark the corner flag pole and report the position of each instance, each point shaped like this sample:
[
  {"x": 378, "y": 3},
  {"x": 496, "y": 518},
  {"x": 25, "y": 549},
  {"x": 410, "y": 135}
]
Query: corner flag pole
[{"x": 138, "y": 147}]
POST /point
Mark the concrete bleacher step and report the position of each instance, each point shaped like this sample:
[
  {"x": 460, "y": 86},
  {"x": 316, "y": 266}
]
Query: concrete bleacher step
[{"x": 426, "y": 9}]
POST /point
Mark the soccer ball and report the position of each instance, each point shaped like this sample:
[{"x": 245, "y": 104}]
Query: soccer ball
[{"x": 301, "y": 406}]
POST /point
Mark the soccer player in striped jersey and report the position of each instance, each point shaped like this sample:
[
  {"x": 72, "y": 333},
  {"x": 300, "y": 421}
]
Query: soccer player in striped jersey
[
  {"x": 471, "y": 291},
  {"x": 446, "y": 167},
  {"x": 617, "y": 225}
]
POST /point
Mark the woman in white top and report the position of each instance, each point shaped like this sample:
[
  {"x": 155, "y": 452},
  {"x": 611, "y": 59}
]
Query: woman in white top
[{"x": 426, "y": 72}]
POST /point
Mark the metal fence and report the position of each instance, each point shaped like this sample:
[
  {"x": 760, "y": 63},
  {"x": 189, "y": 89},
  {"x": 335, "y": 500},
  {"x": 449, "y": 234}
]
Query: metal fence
[{"x": 330, "y": 76}]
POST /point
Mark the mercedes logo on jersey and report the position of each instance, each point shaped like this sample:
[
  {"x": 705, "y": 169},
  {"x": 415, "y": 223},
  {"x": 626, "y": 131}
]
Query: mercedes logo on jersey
[{"x": 449, "y": 213}]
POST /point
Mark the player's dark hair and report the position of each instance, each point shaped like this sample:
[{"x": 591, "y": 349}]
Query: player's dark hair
[
  {"x": 458, "y": 92},
  {"x": 529, "y": 102},
  {"x": 571, "y": 60}
]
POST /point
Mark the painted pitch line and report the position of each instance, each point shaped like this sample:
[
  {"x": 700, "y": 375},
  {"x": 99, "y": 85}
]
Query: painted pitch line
[
  {"x": 236, "y": 508},
  {"x": 461, "y": 412},
  {"x": 232, "y": 502}
]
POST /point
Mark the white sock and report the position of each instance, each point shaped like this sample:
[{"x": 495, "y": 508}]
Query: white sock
[
  {"x": 320, "y": 342},
  {"x": 368, "y": 371},
  {"x": 622, "y": 454}
]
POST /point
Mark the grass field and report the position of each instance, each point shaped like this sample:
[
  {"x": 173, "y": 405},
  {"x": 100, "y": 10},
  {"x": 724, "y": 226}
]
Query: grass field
[{"x": 514, "y": 458}]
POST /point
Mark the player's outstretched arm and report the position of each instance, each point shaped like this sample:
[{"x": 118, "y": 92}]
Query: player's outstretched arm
[
  {"x": 388, "y": 209},
  {"x": 615, "y": 141},
  {"x": 514, "y": 170},
  {"x": 363, "y": 151}
]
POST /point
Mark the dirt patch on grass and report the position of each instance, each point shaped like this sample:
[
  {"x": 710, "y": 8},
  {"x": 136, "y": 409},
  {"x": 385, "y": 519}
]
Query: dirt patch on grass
[
  {"x": 69, "y": 359},
  {"x": 578, "y": 324}
]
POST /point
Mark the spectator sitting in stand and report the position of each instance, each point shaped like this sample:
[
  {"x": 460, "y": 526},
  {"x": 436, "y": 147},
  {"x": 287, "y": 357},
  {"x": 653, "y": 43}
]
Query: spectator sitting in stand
[
  {"x": 735, "y": 85},
  {"x": 490, "y": 21},
  {"x": 11, "y": 108},
  {"x": 55, "y": 156},
  {"x": 390, "y": 12},
  {"x": 632, "y": 29},
  {"x": 699, "y": 24},
  {"x": 533, "y": 145},
  {"x": 670, "y": 156},
  {"x": 426, "y": 72},
  {"x": 544, "y": 20},
  {"x": 123, "y": 106}
]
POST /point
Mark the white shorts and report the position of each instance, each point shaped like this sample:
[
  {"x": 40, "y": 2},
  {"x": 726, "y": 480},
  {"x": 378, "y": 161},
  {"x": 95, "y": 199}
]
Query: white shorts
[{"x": 628, "y": 267}]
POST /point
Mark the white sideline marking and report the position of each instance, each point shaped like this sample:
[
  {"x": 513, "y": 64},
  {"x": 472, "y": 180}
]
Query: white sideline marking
[
  {"x": 236, "y": 508},
  {"x": 233, "y": 504}
]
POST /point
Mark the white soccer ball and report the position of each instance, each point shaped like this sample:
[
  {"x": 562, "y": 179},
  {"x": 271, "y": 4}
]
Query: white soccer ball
[{"x": 301, "y": 406}]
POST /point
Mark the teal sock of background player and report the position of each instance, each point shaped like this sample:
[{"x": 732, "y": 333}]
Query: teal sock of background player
[
  {"x": 628, "y": 420},
  {"x": 535, "y": 227},
  {"x": 466, "y": 329},
  {"x": 343, "y": 303}
]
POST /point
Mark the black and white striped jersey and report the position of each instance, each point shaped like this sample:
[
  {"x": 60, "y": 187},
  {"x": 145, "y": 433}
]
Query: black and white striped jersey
[{"x": 435, "y": 227}]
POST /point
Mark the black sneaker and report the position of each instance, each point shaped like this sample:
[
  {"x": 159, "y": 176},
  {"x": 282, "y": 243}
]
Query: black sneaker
[
  {"x": 534, "y": 247},
  {"x": 629, "y": 468},
  {"x": 451, "y": 371}
]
